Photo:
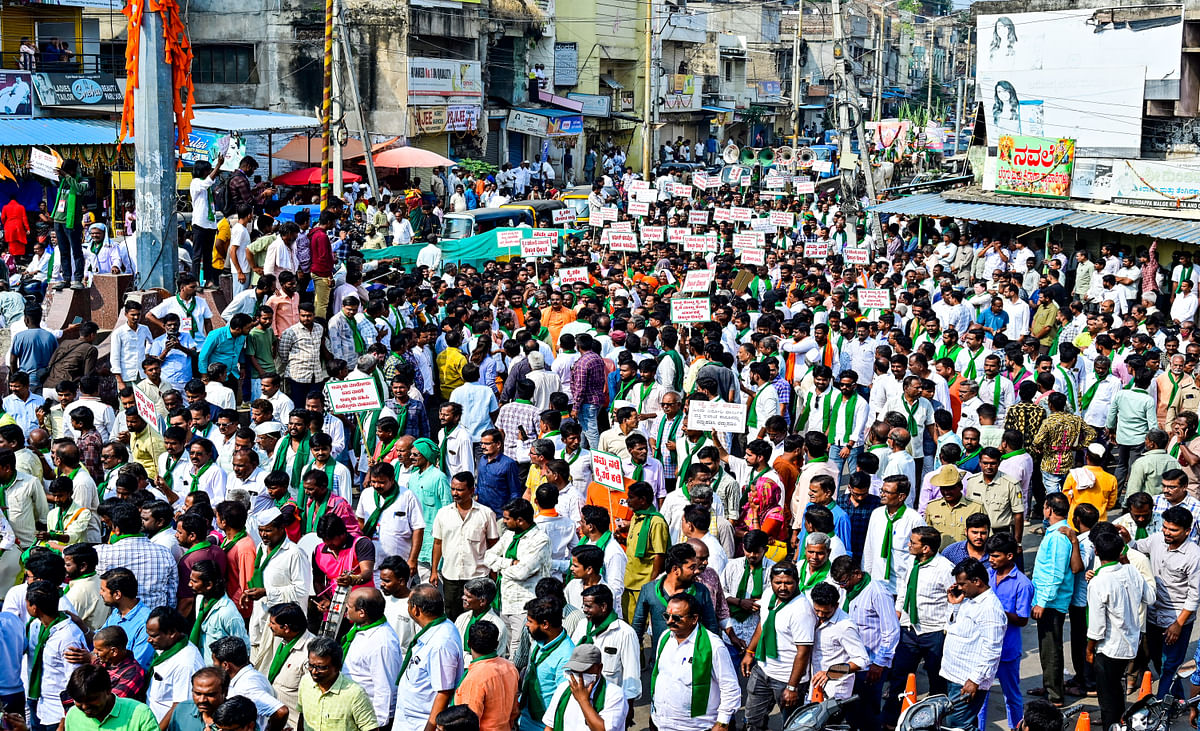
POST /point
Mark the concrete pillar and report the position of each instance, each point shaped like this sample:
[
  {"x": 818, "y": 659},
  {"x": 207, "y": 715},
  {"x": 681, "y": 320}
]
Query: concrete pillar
[{"x": 154, "y": 156}]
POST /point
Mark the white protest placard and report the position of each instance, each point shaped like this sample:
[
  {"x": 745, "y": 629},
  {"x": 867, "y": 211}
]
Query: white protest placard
[
  {"x": 649, "y": 195},
  {"x": 816, "y": 249},
  {"x": 608, "y": 213},
  {"x": 741, "y": 213},
  {"x": 42, "y": 163},
  {"x": 717, "y": 416},
  {"x": 348, "y": 397},
  {"x": 653, "y": 233},
  {"x": 620, "y": 241},
  {"x": 722, "y": 215},
  {"x": 744, "y": 239},
  {"x": 754, "y": 256},
  {"x": 746, "y": 179},
  {"x": 639, "y": 185},
  {"x": 681, "y": 190},
  {"x": 537, "y": 246},
  {"x": 701, "y": 181},
  {"x": 564, "y": 215},
  {"x": 697, "y": 218},
  {"x": 874, "y": 299},
  {"x": 509, "y": 238},
  {"x": 145, "y": 408},
  {"x": 639, "y": 208},
  {"x": 690, "y": 309},
  {"x": 573, "y": 275},
  {"x": 855, "y": 255},
  {"x": 606, "y": 470},
  {"x": 713, "y": 242},
  {"x": 695, "y": 244},
  {"x": 822, "y": 166},
  {"x": 782, "y": 218},
  {"x": 676, "y": 235},
  {"x": 624, "y": 227},
  {"x": 775, "y": 181},
  {"x": 698, "y": 280},
  {"x": 762, "y": 224},
  {"x": 805, "y": 187}
]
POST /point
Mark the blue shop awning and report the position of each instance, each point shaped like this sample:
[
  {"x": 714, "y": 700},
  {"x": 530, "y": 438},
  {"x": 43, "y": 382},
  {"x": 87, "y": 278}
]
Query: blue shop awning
[
  {"x": 1174, "y": 229},
  {"x": 47, "y": 131}
]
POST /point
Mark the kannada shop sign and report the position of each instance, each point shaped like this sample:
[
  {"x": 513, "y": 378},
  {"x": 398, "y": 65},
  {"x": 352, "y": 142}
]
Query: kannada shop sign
[
  {"x": 57, "y": 90},
  {"x": 443, "y": 81},
  {"x": 1034, "y": 166}
]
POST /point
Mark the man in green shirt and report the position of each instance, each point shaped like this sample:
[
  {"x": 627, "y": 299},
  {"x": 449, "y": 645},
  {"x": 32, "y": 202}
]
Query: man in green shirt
[
  {"x": 329, "y": 701},
  {"x": 261, "y": 345},
  {"x": 96, "y": 707}
]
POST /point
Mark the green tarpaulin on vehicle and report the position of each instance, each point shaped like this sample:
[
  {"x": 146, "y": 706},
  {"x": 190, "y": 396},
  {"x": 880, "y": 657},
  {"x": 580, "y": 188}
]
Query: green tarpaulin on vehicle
[{"x": 471, "y": 250}]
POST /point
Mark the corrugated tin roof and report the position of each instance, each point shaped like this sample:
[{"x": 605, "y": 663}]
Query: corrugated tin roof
[
  {"x": 47, "y": 131},
  {"x": 933, "y": 204},
  {"x": 1173, "y": 229},
  {"x": 244, "y": 119}
]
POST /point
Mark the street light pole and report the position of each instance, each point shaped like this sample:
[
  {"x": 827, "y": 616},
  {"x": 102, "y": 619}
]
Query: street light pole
[{"x": 796, "y": 73}]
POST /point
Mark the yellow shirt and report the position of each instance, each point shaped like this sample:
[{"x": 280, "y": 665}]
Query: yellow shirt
[
  {"x": 1103, "y": 494},
  {"x": 221, "y": 243},
  {"x": 639, "y": 571},
  {"x": 450, "y": 363},
  {"x": 144, "y": 448}
]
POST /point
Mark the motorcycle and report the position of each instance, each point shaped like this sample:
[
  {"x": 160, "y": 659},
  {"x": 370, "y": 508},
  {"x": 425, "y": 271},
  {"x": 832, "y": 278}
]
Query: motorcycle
[
  {"x": 1156, "y": 714},
  {"x": 826, "y": 715},
  {"x": 927, "y": 715}
]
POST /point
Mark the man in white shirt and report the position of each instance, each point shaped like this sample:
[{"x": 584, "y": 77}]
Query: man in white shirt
[
  {"x": 48, "y": 635},
  {"x": 675, "y": 695},
  {"x": 1117, "y": 597},
  {"x": 231, "y": 655},
  {"x": 373, "y": 652},
  {"x": 974, "y": 641},
  {"x": 238, "y": 257},
  {"x": 1183, "y": 309},
  {"x": 171, "y": 682},
  {"x": 924, "y": 614},
  {"x": 836, "y": 640},
  {"x": 130, "y": 339},
  {"x": 770, "y": 660},
  {"x": 432, "y": 664}
]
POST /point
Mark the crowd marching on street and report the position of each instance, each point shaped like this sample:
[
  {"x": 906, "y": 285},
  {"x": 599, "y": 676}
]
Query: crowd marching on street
[{"x": 760, "y": 457}]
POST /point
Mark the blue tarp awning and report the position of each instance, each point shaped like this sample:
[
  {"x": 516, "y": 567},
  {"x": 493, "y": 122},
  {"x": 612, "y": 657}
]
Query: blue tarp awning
[
  {"x": 933, "y": 204},
  {"x": 718, "y": 110},
  {"x": 1174, "y": 229},
  {"x": 550, "y": 113},
  {"x": 48, "y": 131},
  {"x": 244, "y": 119}
]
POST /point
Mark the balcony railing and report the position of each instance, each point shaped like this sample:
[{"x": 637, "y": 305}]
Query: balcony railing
[{"x": 80, "y": 63}]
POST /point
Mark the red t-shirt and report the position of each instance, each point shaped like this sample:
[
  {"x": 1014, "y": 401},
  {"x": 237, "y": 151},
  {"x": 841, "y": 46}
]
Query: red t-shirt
[{"x": 322, "y": 253}]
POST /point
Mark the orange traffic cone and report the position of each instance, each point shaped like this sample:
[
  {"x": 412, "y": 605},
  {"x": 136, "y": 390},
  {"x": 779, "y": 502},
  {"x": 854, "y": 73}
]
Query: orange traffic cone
[
  {"x": 1084, "y": 722},
  {"x": 818, "y": 694},
  {"x": 909, "y": 696},
  {"x": 1145, "y": 690}
]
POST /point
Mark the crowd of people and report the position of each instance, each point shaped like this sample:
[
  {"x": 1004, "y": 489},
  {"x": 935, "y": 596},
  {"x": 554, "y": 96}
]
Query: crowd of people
[{"x": 200, "y": 538}]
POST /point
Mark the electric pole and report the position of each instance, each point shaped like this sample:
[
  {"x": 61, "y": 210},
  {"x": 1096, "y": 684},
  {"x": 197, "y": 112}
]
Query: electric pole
[
  {"x": 848, "y": 100},
  {"x": 796, "y": 42},
  {"x": 326, "y": 103},
  {"x": 650, "y": 91},
  {"x": 352, "y": 85},
  {"x": 154, "y": 159},
  {"x": 335, "y": 148}
]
